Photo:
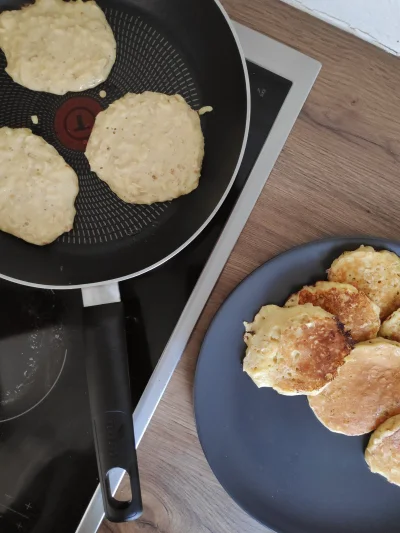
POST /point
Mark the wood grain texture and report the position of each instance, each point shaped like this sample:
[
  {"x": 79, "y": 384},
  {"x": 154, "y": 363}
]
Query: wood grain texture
[{"x": 337, "y": 175}]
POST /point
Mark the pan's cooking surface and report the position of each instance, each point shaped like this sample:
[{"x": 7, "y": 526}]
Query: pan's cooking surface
[
  {"x": 65, "y": 122},
  {"x": 170, "y": 46}
]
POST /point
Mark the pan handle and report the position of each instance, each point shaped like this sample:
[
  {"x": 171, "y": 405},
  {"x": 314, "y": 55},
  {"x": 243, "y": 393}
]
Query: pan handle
[{"x": 110, "y": 404}]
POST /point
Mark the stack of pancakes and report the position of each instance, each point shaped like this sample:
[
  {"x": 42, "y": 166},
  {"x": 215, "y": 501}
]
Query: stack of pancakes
[{"x": 338, "y": 342}]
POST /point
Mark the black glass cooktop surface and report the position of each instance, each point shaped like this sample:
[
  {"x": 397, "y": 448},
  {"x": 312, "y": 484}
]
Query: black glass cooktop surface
[{"x": 48, "y": 470}]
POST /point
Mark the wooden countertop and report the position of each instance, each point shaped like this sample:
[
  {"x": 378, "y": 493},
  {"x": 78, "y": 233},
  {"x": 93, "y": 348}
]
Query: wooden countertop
[{"x": 338, "y": 174}]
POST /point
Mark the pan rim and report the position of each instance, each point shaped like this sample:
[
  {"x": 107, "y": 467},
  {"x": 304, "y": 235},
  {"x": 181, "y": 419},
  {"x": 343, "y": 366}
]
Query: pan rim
[{"x": 208, "y": 219}]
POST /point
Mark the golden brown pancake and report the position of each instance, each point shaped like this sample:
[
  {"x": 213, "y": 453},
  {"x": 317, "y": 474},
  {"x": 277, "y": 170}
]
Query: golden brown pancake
[
  {"x": 376, "y": 274},
  {"x": 391, "y": 327},
  {"x": 295, "y": 350},
  {"x": 358, "y": 314},
  {"x": 366, "y": 391},
  {"x": 383, "y": 450}
]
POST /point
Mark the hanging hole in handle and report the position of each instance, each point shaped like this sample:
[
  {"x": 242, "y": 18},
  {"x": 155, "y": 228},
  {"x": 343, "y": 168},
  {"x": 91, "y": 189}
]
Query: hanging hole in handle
[{"x": 123, "y": 496}]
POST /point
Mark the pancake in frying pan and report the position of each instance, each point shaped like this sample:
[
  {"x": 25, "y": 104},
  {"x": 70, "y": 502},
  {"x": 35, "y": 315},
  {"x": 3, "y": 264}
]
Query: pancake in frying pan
[
  {"x": 147, "y": 147},
  {"x": 56, "y": 46}
]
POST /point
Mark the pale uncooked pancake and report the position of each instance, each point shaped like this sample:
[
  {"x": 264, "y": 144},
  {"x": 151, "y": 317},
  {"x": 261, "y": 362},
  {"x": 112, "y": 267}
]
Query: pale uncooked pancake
[
  {"x": 354, "y": 309},
  {"x": 147, "y": 147},
  {"x": 295, "y": 350},
  {"x": 56, "y": 46},
  {"x": 376, "y": 274},
  {"x": 37, "y": 188},
  {"x": 383, "y": 450},
  {"x": 391, "y": 327},
  {"x": 366, "y": 391}
]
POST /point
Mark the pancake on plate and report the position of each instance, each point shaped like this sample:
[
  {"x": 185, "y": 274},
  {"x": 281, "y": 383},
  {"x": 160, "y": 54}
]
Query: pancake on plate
[
  {"x": 366, "y": 391},
  {"x": 391, "y": 327},
  {"x": 376, "y": 274},
  {"x": 147, "y": 147},
  {"x": 295, "y": 350},
  {"x": 37, "y": 188},
  {"x": 358, "y": 314},
  {"x": 56, "y": 46},
  {"x": 383, "y": 450}
]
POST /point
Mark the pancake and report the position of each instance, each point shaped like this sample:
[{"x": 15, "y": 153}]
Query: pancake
[
  {"x": 37, "y": 188},
  {"x": 358, "y": 314},
  {"x": 147, "y": 147},
  {"x": 56, "y": 46},
  {"x": 376, "y": 274},
  {"x": 383, "y": 450},
  {"x": 295, "y": 350},
  {"x": 366, "y": 391},
  {"x": 391, "y": 327}
]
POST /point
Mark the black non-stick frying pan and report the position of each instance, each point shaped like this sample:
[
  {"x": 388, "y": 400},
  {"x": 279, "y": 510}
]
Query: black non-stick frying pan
[
  {"x": 269, "y": 451},
  {"x": 170, "y": 46}
]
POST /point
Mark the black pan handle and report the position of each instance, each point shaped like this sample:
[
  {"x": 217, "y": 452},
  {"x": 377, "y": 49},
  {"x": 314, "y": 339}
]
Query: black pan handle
[{"x": 110, "y": 404}]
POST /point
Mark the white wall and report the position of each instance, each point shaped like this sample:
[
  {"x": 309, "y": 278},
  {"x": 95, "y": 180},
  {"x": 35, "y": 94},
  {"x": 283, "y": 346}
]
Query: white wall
[{"x": 376, "y": 21}]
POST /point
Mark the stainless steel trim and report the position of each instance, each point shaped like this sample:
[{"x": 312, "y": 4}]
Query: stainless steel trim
[
  {"x": 302, "y": 71},
  {"x": 101, "y": 294}
]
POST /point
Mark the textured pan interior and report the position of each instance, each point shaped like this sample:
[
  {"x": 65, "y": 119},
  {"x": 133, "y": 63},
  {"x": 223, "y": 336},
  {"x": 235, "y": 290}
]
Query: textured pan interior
[
  {"x": 101, "y": 215},
  {"x": 172, "y": 46}
]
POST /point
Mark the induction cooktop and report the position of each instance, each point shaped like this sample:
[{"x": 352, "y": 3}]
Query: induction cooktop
[{"x": 48, "y": 471}]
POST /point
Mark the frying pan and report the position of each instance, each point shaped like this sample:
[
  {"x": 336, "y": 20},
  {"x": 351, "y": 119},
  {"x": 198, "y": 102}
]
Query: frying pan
[{"x": 169, "y": 46}]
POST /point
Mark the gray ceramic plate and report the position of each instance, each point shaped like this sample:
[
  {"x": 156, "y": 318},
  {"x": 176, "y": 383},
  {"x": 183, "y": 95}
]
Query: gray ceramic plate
[{"x": 269, "y": 451}]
